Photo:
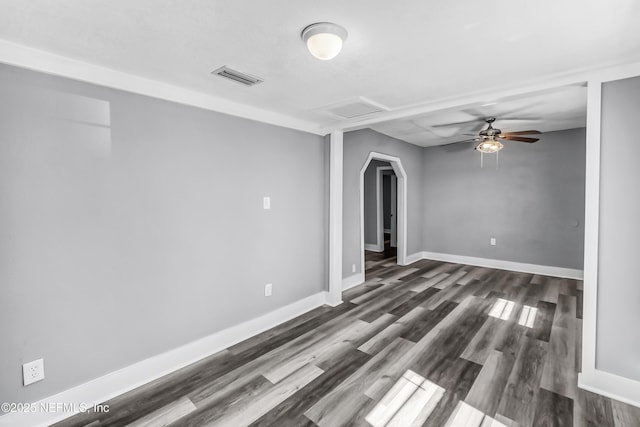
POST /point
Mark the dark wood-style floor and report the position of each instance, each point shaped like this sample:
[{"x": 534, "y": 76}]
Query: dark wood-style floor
[{"x": 428, "y": 344}]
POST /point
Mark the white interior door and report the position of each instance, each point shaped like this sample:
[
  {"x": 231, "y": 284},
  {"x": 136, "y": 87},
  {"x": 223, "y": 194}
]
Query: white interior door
[{"x": 394, "y": 211}]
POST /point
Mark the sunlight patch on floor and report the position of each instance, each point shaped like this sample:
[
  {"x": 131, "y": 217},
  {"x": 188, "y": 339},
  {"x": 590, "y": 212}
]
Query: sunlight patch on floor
[
  {"x": 528, "y": 316},
  {"x": 502, "y": 309},
  {"x": 409, "y": 402},
  {"x": 465, "y": 415}
]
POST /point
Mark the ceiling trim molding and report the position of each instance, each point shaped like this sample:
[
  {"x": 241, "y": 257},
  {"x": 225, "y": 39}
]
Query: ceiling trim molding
[
  {"x": 40, "y": 60},
  {"x": 46, "y": 62},
  {"x": 575, "y": 77}
]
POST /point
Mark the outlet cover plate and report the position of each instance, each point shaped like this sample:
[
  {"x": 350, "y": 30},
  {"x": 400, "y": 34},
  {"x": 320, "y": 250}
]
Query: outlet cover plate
[
  {"x": 268, "y": 288},
  {"x": 33, "y": 372}
]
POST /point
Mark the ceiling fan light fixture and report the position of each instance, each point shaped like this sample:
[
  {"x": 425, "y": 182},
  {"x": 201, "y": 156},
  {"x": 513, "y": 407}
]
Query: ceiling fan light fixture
[
  {"x": 489, "y": 146},
  {"x": 324, "y": 39}
]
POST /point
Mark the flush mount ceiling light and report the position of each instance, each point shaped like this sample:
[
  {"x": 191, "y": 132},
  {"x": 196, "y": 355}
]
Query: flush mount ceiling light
[{"x": 324, "y": 39}]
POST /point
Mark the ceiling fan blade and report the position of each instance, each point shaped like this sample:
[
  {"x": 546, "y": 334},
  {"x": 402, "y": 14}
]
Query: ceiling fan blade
[
  {"x": 517, "y": 138},
  {"x": 465, "y": 140},
  {"x": 518, "y": 119},
  {"x": 475, "y": 121},
  {"x": 522, "y": 132}
]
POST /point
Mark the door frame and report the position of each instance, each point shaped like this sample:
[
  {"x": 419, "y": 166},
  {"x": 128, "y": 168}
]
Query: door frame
[
  {"x": 398, "y": 169},
  {"x": 393, "y": 194},
  {"x": 379, "y": 209}
]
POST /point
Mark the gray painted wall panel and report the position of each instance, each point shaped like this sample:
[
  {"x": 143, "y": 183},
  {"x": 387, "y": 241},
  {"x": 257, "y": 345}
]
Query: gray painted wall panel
[
  {"x": 533, "y": 203},
  {"x": 618, "y": 343},
  {"x": 127, "y": 225}
]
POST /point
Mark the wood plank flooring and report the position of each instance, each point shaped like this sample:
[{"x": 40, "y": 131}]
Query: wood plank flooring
[{"x": 432, "y": 343}]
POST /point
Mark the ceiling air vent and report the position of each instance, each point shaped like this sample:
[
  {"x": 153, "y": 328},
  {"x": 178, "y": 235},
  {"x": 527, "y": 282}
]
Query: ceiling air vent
[
  {"x": 236, "y": 76},
  {"x": 354, "y": 108}
]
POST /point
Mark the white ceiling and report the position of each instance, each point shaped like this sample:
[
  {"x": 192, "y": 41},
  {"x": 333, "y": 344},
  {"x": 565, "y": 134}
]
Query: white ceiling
[
  {"x": 545, "y": 111},
  {"x": 398, "y": 54}
]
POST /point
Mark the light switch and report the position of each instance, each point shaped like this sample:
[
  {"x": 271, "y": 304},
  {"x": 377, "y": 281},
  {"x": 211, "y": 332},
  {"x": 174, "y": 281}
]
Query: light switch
[{"x": 266, "y": 202}]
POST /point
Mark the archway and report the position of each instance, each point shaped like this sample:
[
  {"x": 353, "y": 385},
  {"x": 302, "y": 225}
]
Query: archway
[{"x": 396, "y": 164}]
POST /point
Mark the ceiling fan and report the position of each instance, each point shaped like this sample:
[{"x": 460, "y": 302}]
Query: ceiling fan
[{"x": 489, "y": 138}]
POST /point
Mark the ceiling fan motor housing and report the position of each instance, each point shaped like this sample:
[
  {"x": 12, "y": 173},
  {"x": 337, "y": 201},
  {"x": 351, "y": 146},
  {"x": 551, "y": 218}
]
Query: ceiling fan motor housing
[{"x": 490, "y": 131}]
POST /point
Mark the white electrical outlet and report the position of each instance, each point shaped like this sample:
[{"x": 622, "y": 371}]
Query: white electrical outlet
[
  {"x": 268, "y": 288},
  {"x": 266, "y": 202},
  {"x": 493, "y": 241},
  {"x": 353, "y": 268},
  {"x": 33, "y": 372}
]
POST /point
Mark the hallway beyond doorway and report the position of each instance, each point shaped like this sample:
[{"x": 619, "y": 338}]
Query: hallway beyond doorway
[{"x": 375, "y": 261}]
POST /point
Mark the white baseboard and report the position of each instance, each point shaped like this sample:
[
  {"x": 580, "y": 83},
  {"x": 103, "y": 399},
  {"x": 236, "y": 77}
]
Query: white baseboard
[
  {"x": 410, "y": 259},
  {"x": 333, "y": 303},
  {"x": 140, "y": 373},
  {"x": 353, "y": 280},
  {"x": 545, "y": 270},
  {"x": 611, "y": 385},
  {"x": 373, "y": 247}
]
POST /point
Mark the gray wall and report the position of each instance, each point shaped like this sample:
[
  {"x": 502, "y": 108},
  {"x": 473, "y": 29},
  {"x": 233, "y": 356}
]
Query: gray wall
[
  {"x": 357, "y": 146},
  {"x": 127, "y": 224},
  {"x": 533, "y": 203},
  {"x": 370, "y": 202},
  {"x": 618, "y": 342}
]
